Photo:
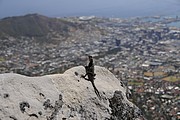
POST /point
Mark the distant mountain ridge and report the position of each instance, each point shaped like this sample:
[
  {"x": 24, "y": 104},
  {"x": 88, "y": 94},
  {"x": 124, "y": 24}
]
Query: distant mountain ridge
[{"x": 34, "y": 25}]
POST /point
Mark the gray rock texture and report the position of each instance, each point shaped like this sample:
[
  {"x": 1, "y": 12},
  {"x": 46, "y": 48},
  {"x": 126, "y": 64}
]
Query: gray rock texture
[{"x": 65, "y": 97}]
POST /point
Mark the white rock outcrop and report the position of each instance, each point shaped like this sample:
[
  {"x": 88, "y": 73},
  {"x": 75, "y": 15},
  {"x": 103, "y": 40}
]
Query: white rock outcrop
[{"x": 60, "y": 96}]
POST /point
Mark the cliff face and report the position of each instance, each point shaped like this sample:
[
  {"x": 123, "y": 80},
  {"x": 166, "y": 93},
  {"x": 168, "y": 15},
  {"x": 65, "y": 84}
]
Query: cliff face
[{"x": 65, "y": 97}]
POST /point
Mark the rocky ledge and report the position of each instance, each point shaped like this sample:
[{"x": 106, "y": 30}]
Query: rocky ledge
[{"x": 65, "y": 97}]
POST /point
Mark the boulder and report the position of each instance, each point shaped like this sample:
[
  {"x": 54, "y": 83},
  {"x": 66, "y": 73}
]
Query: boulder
[{"x": 65, "y": 96}]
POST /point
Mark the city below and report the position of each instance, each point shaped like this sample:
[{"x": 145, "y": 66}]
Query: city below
[{"x": 143, "y": 52}]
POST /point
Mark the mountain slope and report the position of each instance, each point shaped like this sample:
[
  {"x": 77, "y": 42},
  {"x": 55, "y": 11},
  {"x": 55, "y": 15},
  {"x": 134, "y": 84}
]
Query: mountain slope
[
  {"x": 34, "y": 25},
  {"x": 65, "y": 96}
]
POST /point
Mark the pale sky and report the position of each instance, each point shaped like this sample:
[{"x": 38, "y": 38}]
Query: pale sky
[{"x": 62, "y": 8}]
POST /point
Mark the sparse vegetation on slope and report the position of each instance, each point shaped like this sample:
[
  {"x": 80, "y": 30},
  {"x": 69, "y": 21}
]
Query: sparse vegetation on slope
[{"x": 34, "y": 25}]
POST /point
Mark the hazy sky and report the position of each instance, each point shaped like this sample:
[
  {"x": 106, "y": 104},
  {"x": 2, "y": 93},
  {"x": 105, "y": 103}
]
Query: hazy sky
[{"x": 88, "y": 7}]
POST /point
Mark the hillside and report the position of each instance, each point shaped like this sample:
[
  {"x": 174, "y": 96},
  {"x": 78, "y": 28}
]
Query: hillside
[
  {"x": 65, "y": 97},
  {"x": 34, "y": 25}
]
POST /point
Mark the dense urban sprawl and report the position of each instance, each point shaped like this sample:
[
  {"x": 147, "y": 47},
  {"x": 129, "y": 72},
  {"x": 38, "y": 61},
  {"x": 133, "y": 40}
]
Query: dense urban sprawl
[{"x": 142, "y": 52}]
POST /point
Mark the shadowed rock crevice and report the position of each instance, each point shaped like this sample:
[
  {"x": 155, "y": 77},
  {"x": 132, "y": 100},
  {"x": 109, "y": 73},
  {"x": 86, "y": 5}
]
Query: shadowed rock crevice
[
  {"x": 56, "y": 108},
  {"x": 123, "y": 111},
  {"x": 23, "y": 106},
  {"x": 12, "y": 117}
]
